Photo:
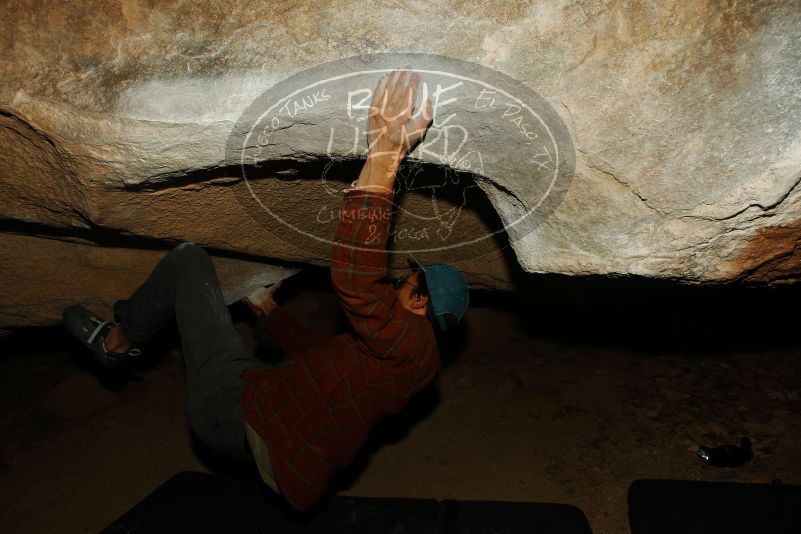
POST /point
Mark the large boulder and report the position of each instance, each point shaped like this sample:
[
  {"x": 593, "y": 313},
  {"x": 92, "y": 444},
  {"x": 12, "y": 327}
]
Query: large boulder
[{"x": 117, "y": 118}]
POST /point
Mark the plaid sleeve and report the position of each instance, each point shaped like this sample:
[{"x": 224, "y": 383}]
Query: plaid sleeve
[{"x": 359, "y": 263}]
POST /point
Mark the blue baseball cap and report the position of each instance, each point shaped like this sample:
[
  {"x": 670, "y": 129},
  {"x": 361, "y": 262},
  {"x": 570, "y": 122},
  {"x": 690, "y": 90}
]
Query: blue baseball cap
[{"x": 448, "y": 291}]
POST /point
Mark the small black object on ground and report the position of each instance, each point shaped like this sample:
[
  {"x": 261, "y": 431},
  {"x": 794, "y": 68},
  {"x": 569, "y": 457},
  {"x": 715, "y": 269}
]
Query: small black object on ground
[{"x": 727, "y": 455}]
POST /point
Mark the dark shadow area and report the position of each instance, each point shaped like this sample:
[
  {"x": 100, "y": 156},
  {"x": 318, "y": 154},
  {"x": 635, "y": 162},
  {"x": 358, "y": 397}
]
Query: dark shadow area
[{"x": 651, "y": 316}]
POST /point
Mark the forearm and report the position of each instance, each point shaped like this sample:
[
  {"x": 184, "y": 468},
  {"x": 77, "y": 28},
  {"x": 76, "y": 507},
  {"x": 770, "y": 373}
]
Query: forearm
[
  {"x": 359, "y": 257},
  {"x": 379, "y": 172}
]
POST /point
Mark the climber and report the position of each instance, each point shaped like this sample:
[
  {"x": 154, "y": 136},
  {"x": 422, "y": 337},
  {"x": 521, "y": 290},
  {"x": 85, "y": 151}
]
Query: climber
[{"x": 305, "y": 419}]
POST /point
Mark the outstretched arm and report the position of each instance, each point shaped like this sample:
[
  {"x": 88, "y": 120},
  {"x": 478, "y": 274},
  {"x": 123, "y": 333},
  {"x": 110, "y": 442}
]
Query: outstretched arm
[{"x": 359, "y": 257}]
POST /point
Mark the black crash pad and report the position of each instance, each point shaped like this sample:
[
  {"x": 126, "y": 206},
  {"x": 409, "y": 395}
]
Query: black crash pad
[
  {"x": 693, "y": 507},
  {"x": 200, "y": 502}
]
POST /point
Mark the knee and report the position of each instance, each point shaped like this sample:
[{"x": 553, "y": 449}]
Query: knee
[
  {"x": 187, "y": 250},
  {"x": 188, "y": 257},
  {"x": 195, "y": 419},
  {"x": 196, "y": 401}
]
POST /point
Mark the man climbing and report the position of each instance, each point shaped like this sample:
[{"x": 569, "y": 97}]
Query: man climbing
[{"x": 305, "y": 419}]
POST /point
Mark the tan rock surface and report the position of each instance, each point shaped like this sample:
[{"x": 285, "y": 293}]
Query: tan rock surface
[
  {"x": 115, "y": 116},
  {"x": 39, "y": 277}
]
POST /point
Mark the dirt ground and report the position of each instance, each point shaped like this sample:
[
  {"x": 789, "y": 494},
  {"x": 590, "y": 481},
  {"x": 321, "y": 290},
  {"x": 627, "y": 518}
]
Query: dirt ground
[{"x": 533, "y": 404}]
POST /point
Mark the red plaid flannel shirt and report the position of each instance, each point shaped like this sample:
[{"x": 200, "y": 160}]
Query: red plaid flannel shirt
[{"x": 315, "y": 412}]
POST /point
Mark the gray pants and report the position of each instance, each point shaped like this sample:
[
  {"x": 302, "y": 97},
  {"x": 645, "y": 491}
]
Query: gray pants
[{"x": 184, "y": 286}]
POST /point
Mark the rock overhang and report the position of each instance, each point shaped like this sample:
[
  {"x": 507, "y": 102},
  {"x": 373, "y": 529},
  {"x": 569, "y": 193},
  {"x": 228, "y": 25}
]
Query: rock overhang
[{"x": 684, "y": 121}]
